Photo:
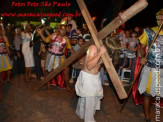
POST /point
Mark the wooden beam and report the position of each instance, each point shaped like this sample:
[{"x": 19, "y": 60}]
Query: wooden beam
[
  {"x": 101, "y": 35},
  {"x": 123, "y": 17},
  {"x": 106, "y": 59}
]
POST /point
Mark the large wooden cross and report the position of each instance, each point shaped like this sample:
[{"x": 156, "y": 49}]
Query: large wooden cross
[{"x": 97, "y": 38}]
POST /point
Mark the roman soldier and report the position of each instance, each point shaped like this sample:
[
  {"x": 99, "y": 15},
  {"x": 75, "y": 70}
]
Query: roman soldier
[{"x": 151, "y": 77}]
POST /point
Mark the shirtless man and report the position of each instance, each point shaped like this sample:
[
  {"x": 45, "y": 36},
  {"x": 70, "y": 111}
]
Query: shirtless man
[{"x": 88, "y": 86}]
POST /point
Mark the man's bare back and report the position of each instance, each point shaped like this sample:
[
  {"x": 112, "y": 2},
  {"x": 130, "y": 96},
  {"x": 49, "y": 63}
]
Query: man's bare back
[{"x": 93, "y": 61}]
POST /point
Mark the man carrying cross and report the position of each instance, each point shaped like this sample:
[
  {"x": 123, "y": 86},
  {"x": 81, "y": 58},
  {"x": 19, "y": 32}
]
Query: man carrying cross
[{"x": 88, "y": 86}]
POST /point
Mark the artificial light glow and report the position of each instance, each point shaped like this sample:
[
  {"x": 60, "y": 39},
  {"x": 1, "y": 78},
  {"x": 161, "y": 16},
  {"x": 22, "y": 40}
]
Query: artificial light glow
[{"x": 94, "y": 18}]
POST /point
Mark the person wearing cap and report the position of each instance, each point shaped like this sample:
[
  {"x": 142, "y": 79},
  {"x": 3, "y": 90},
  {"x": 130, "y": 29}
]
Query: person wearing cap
[
  {"x": 151, "y": 77},
  {"x": 87, "y": 37}
]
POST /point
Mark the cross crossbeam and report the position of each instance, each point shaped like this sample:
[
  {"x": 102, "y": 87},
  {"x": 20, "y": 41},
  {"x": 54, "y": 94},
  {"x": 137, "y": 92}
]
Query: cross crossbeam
[{"x": 97, "y": 37}]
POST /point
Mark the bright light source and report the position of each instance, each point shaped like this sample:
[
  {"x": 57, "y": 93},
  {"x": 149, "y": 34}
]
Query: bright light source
[
  {"x": 1, "y": 17},
  {"x": 94, "y": 18}
]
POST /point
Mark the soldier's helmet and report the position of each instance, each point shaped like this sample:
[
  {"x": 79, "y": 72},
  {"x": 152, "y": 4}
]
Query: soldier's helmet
[{"x": 159, "y": 16}]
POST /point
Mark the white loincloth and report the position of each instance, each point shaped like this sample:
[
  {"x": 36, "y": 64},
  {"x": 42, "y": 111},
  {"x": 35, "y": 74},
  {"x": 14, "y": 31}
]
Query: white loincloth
[{"x": 88, "y": 87}]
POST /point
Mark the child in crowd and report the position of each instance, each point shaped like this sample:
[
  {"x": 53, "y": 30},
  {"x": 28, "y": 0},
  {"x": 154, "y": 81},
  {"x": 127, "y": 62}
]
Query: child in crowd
[
  {"x": 42, "y": 53},
  {"x": 132, "y": 48},
  {"x": 121, "y": 36},
  {"x": 77, "y": 66},
  {"x": 126, "y": 37}
]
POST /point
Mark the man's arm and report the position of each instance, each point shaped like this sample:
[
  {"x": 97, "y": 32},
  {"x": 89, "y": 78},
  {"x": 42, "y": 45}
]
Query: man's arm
[
  {"x": 141, "y": 51},
  {"x": 45, "y": 39},
  {"x": 94, "y": 56},
  {"x": 142, "y": 54}
]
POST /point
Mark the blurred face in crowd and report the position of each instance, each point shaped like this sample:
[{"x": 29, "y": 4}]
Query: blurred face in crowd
[
  {"x": 127, "y": 33},
  {"x": 80, "y": 42},
  {"x": 73, "y": 42},
  {"x": 85, "y": 27},
  {"x": 29, "y": 28},
  {"x": 69, "y": 28},
  {"x": 19, "y": 31},
  {"x": 62, "y": 32},
  {"x": 134, "y": 35},
  {"x": 42, "y": 45},
  {"x": 78, "y": 31}
]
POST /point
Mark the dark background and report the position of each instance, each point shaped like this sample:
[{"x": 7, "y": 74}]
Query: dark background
[{"x": 100, "y": 8}]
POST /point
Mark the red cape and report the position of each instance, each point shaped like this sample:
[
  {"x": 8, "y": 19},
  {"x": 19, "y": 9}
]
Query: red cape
[{"x": 137, "y": 97}]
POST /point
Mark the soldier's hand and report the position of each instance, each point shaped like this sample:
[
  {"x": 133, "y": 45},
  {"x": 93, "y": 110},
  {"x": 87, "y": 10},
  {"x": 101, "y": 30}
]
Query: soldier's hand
[
  {"x": 102, "y": 50},
  {"x": 143, "y": 61}
]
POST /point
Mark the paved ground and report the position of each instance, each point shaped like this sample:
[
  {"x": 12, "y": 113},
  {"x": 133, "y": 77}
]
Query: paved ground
[{"x": 21, "y": 104}]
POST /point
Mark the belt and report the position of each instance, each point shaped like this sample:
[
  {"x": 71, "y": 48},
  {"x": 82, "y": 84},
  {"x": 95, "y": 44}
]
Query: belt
[
  {"x": 154, "y": 66},
  {"x": 56, "y": 54}
]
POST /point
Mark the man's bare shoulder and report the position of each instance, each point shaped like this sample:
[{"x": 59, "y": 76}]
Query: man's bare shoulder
[{"x": 93, "y": 48}]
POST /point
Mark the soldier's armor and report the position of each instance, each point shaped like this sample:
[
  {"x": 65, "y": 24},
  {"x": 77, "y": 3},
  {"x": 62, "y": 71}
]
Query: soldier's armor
[
  {"x": 154, "y": 56},
  {"x": 2, "y": 45}
]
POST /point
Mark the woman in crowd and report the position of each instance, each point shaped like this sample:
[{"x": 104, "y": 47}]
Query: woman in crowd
[{"x": 27, "y": 51}]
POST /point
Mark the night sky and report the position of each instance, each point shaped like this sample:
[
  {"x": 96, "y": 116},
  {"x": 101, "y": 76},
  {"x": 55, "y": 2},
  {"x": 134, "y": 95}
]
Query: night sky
[{"x": 101, "y": 9}]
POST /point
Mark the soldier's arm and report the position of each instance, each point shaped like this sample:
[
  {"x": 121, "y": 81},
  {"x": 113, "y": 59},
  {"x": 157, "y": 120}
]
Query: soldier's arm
[{"x": 143, "y": 41}]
